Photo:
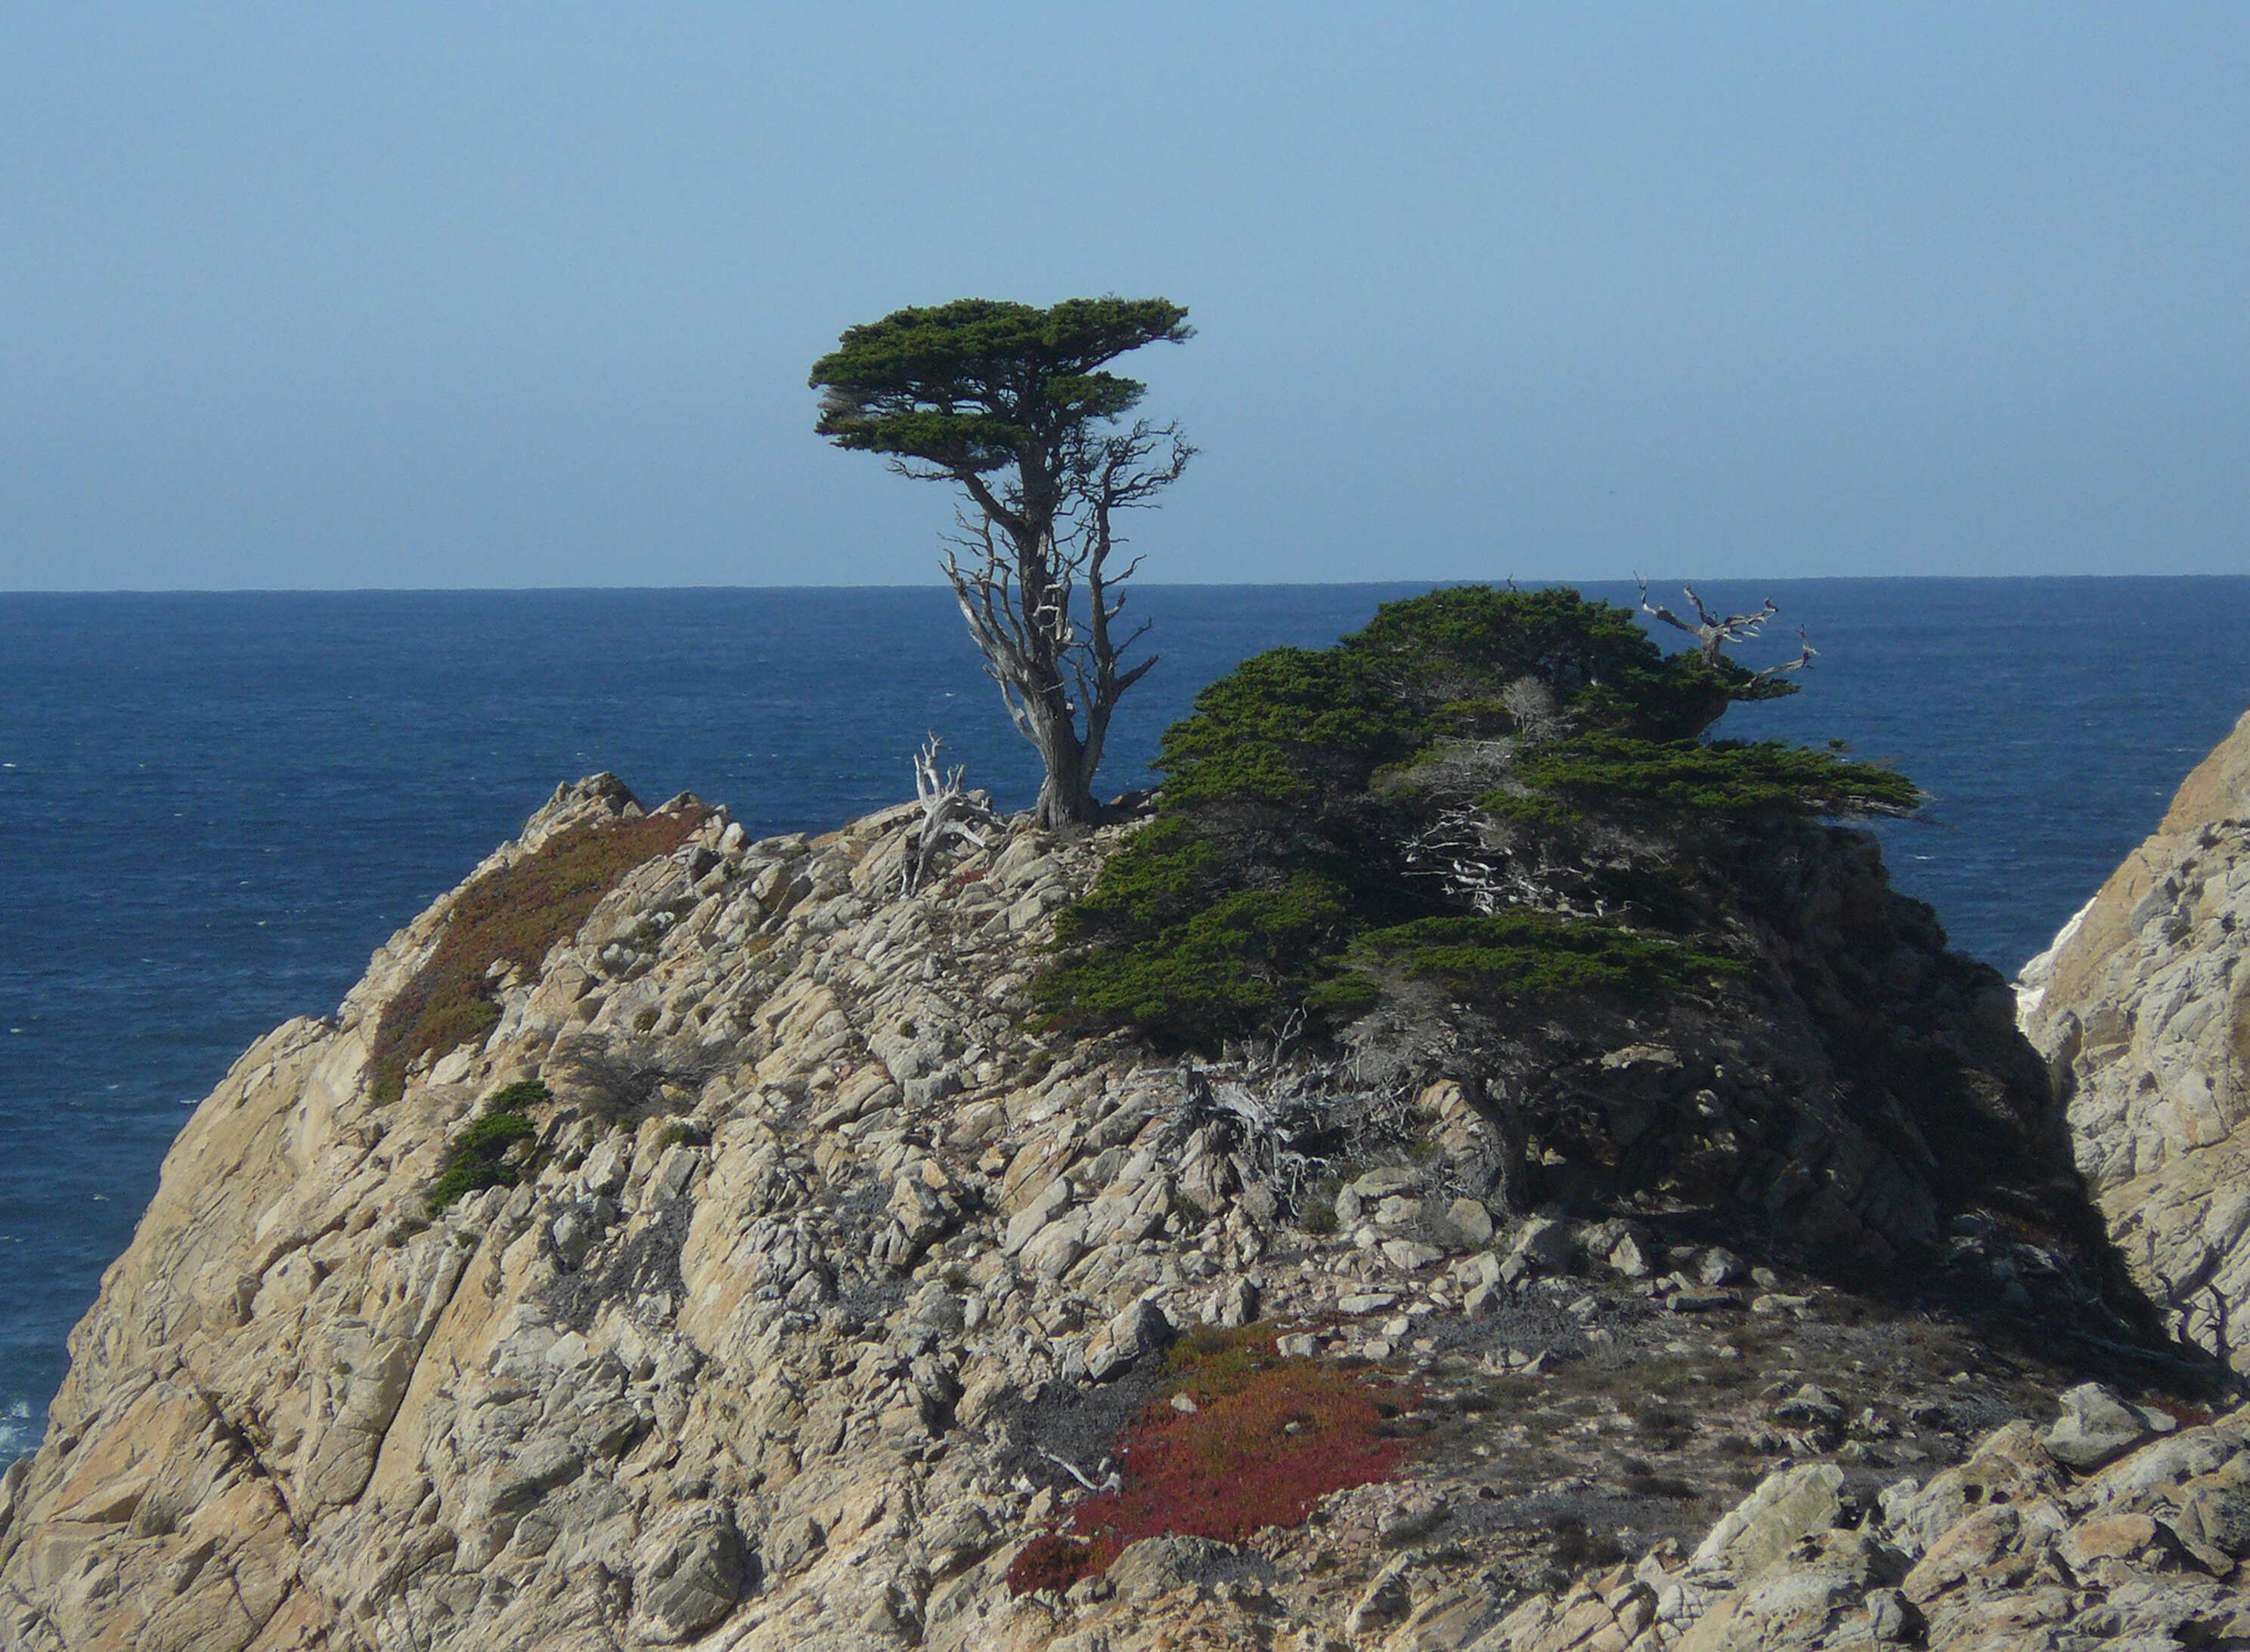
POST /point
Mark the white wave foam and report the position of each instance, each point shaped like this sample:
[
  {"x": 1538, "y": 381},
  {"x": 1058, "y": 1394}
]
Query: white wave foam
[{"x": 17, "y": 1433}]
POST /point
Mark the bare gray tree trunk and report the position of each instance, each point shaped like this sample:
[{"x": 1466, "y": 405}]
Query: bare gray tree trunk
[
  {"x": 1066, "y": 793},
  {"x": 1018, "y": 583}
]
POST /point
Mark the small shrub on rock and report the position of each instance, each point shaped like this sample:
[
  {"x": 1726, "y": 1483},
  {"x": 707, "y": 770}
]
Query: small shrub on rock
[
  {"x": 623, "y": 1083},
  {"x": 1050, "y": 1561},
  {"x": 1575, "y": 1548},
  {"x": 485, "y": 1156},
  {"x": 514, "y": 1098}
]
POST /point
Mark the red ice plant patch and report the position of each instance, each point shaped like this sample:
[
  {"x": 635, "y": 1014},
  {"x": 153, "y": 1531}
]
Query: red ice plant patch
[{"x": 1269, "y": 1437}]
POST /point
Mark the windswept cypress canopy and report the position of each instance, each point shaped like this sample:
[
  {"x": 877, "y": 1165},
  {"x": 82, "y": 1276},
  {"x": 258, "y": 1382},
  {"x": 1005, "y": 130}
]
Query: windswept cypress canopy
[{"x": 1012, "y": 403}]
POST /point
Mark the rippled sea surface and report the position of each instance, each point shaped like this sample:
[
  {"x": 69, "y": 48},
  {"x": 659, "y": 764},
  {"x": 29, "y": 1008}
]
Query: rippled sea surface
[{"x": 213, "y": 807}]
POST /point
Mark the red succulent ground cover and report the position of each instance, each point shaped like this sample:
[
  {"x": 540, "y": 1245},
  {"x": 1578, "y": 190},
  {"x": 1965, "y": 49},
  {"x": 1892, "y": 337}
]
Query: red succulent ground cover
[
  {"x": 1269, "y": 1437},
  {"x": 516, "y": 913}
]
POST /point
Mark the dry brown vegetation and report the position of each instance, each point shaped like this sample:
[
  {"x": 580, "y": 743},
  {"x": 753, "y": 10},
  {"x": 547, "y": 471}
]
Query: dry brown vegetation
[{"x": 511, "y": 915}]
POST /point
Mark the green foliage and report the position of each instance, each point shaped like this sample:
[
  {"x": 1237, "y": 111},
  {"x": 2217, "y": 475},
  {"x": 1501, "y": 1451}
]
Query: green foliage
[
  {"x": 1728, "y": 778},
  {"x": 1463, "y": 643},
  {"x": 1163, "y": 875},
  {"x": 483, "y": 1157},
  {"x": 1338, "y": 999},
  {"x": 1227, "y": 968},
  {"x": 1285, "y": 721},
  {"x": 511, "y": 916},
  {"x": 1275, "y": 874},
  {"x": 525, "y": 1092},
  {"x": 1535, "y": 953},
  {"x": 969, "y": 386},
  {"x": 1481, "y": 634}
]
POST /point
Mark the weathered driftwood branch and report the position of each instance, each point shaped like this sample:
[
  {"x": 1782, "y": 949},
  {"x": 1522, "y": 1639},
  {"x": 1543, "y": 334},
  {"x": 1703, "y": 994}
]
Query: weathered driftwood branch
[
  {"x": 1454, "y": 851},
  {"x": 1711, "y": 632},
  {"x": 948, "y": 814},
  {"x": 1109, "y": 1482},
  {"x": 1806, "y": 652}
]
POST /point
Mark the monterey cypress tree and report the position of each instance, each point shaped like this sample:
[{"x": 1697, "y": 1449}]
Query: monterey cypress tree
[{"x": 1010, "y": 404}]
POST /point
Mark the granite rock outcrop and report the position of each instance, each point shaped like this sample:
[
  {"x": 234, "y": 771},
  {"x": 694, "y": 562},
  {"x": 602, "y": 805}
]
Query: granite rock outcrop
[
  {"x": 824, "y": 1273},
  {"x": 2142, "y": 1009}
]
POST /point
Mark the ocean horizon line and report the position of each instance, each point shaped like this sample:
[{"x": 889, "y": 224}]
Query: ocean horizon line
[{"x": 1139, "y": 584}]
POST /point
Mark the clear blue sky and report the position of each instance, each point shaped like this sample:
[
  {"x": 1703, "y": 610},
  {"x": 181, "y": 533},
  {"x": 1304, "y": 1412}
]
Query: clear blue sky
[{"x": 468, "y": 295}]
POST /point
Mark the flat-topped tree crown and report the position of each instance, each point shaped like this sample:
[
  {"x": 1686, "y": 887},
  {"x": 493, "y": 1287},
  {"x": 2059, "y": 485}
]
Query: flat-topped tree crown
[
  {"x": 1010, "y": 402},
  {"x": 977, "y": 384}
]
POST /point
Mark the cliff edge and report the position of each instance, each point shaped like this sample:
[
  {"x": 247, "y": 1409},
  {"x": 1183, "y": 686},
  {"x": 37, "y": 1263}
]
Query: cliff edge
[{"x": 2141, "y": 1008}]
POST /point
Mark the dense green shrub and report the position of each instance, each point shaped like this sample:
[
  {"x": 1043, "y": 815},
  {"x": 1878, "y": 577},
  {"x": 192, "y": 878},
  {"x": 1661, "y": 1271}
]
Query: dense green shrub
[
  {"x": 525, "y": 1092},
  {"x": 1730, "y": 777},
  {"x": 485, "y": 1156},
  {"x": 1536, "y": 952},
  {"x": 1276, "y": 873},
  {"x": 1287, "y": 724},
  {"x": 1245, "y": 957}
]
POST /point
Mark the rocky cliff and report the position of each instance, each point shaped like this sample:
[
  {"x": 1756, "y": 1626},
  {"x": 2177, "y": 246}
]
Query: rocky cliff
[
  {"x": 2141, "y": 1008},
  {"x": 746, "y": 1263}
]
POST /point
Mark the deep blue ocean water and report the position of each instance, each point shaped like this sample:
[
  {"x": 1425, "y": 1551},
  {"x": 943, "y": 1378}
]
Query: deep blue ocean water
[{"x": 213, "y": 807}]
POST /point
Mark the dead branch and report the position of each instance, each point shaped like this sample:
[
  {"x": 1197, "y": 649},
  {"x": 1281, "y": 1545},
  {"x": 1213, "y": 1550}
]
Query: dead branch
[
  {"x": 1289, "y": 1123},
  {"x": 1486, "y": 879},
  {"x": 1713, "y": 632},
  {"x": 1110, "y": 1482},
  {"x": 1532, "y": 707},
  {"x": 949, "y": 815},
  {"x": 1291, "y": 1033},
  {"x": 1806, "y": 652}
]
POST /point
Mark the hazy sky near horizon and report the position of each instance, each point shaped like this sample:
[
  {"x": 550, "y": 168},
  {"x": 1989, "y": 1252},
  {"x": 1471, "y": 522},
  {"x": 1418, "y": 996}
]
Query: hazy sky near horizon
[{"x": 475, "y": 294}]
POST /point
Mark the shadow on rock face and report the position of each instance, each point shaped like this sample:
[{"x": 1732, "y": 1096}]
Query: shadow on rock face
[{"x": 1860, "y": 1107}]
